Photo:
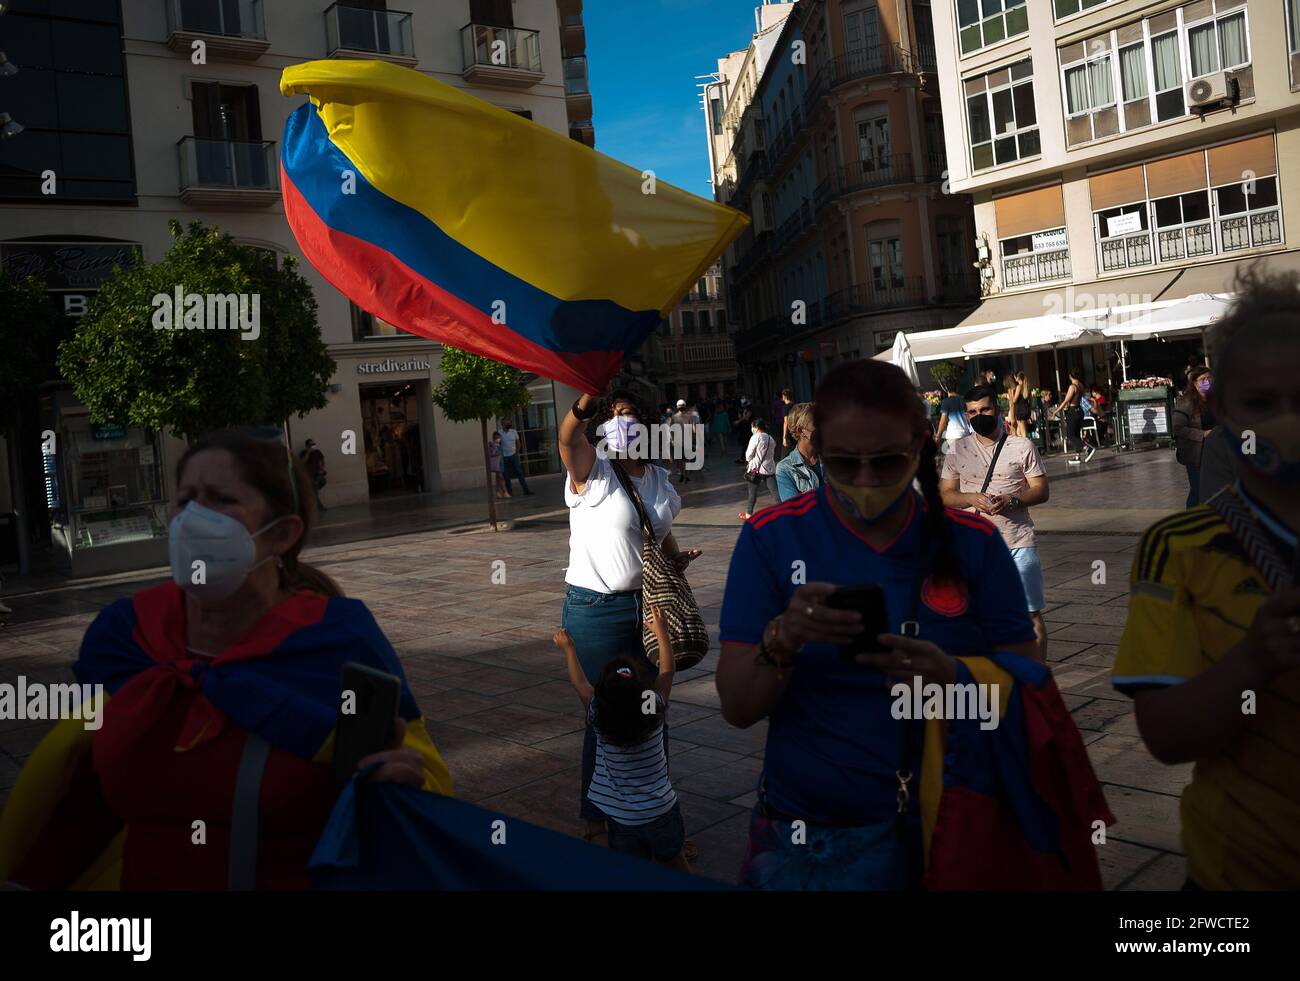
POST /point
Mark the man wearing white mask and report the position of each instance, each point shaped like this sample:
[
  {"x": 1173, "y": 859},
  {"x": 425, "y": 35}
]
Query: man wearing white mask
[
  {"x": 1001, "y": 475},
  {"x": 602, "y": 606}
]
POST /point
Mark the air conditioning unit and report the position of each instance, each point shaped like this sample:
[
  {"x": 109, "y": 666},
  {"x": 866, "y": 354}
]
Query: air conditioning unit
[{"x": 1212, "y": 90}]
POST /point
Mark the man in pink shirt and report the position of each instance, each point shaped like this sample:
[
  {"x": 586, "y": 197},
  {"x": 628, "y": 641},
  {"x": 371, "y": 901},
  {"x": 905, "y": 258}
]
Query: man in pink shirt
[{"x": 1000, "y": 475}]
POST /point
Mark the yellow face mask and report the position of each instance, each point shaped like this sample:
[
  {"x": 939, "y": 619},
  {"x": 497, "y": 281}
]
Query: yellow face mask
[{"x": 872, "y": 503}]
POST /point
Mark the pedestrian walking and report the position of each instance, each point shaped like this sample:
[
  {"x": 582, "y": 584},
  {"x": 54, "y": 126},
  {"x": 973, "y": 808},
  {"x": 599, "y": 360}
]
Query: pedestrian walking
[
  {"x": 684, "y": 435},
  {"x": 953, "y": 422},
  {"x": 1211, "y": 648},
  {"x": 214, "y": 680},
  {"x": 314, "y": 460},
  {"x": 602, "y": 605},
  {"x": 779, "y": 408},
  {"x": 1018, "y": 404},
  {"x": 721, "y": 425},
  {"x": 1193, "y": 422},
  {"x": 1071, "y": 406},
  {"x": 510, "y": 456},
  {"x": 495, "y": 464},
  {"x": 760, "y": 466},
  {"x": 801, "y": 470},
  {"x": 839, "y": 761},
  {"x": 630, "y": 783},
  {"x": 999, "y": 474}
]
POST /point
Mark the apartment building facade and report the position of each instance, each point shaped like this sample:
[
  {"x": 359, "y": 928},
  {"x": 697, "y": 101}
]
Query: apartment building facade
[
  {"x": 840, "y": 159},
  {"x": 693, "y": 354},
  {"x": 1122, "y": 153},
  {"x": 141, "y": 130}
]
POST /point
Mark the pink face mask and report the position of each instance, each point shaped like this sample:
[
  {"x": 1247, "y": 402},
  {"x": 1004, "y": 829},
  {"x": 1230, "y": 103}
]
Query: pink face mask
[{"x": 1203, "y": 385}]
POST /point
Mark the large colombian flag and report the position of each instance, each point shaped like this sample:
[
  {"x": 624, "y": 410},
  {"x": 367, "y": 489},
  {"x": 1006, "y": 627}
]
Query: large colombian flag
[{"x": 459, "y": 221}]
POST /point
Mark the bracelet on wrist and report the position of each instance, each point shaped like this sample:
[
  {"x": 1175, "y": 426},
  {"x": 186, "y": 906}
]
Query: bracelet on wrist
[{"x": 580, "y": 416}]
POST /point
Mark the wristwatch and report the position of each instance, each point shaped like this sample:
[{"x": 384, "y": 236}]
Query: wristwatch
[
  {"x": 1016, "y": 503},
  {"x": 590, "y": 411}
]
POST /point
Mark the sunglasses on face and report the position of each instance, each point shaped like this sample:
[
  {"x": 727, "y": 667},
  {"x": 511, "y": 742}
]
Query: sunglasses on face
[{"x": 883, "y": 468}]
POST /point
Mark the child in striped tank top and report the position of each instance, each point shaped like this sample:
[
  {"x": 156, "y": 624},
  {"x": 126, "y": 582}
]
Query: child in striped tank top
[{"x": 630, "y": 784}]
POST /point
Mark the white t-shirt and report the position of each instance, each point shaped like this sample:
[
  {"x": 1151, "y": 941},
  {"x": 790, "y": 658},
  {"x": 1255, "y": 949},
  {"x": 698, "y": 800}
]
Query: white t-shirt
[
  {"x": 958, "y": 422},
  {"x": 509, "y": 440},
  {"x": 604, "y": 531},
  {"x": 760, "y": 455}
]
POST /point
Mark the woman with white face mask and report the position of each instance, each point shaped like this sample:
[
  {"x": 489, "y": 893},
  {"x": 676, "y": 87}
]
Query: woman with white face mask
[
  {"x": 602, "y": 606},
  {"x": 224, "y": 678}
]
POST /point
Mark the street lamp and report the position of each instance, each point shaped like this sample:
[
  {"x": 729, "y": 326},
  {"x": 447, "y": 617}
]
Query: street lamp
[{"x": 9, "y": 126}]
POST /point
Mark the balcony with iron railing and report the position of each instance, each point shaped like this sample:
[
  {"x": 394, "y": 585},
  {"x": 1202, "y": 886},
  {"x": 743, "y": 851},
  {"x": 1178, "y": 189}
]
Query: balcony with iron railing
[
  {"x": 936, "y": 162},
  {"x": 356, "y": 32},
  {"x": 881, "y": 59},
  {"x": 1194, "y": 240},
  {"x": 1036, "y": 267},
  {"x": 789, "y": 136},
  {"x": 508, "y": 57},
  {"x": 230, "y": 31},
  {"x": 864, "y": 175},
  {"x": 228, "y": 172}
]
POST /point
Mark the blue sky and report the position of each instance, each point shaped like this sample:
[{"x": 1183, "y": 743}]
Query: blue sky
[{"x": 642, "y": 58}]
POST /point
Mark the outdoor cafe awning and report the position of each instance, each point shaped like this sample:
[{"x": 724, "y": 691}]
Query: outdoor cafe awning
[{"x": 1163, "y": 304}]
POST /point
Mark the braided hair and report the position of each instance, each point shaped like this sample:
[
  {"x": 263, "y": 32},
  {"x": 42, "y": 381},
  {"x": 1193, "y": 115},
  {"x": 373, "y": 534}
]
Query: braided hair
[{"x": 878, "y": 386}]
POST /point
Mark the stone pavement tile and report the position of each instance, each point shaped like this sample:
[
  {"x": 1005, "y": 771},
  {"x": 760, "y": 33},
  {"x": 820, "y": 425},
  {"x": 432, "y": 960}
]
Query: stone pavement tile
[
  {"x": 448, "y": 705},
  {"x": 722, "y": 849},
  {"x": 1124, "y": 761},
  {"x": 551, "y": 696},
  {"x": 18, "y": 744},
  {"x": 551, "y": 802},
  {"x": 494, "y": 681},
  {"x": 569, "y": 745},
  {"x": 1106, "y": 715},
  {"x": 690, "y": 674},
  {"x": 720, "y": 734},
  {"x": 1100, "y": 654},
  {"x": 697, "y": 759},
  {"x": 1121, "y": 861},
  {"x": 1144, "y": 818},
  {"x": 684, "y": 713},
  {"x": 1079, "y": 678},
  {"x": 431, "y": 667},
  {"x": 746, "y": 800},
  {"x": 1083, "y": 592},
  {"x": 1072, "y": 702},
  {"x": 1093, "y": 633},
  {"x": 702, "y": 812},
  {"x": 724, "y": 782},
  {"x": 1083, "y": 613},
  {"x": 1063, "y": 650},
  {"x": 483, "y": 765},
  {"x": 520, "y": 723},
  {"x": 1167, "y": 873},
  {"x": 701, "y": 691}
]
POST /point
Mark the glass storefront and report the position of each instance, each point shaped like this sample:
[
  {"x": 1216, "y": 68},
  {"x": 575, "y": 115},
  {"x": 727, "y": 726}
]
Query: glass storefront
[
  {"x": 538, "y": 448},
  {"x": 390, "y": 420}
]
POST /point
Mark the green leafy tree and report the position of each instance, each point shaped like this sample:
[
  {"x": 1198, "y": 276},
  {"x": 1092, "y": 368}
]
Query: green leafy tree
[
  {"x": 31, "y": 328},
  {"x": 475, "y": 387},
  {"x": 126, "y": 369},
  {"x": 945, "y": 373}
]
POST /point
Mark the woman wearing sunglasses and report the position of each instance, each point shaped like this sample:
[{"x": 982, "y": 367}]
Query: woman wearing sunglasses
[{"x": 834, "y": 750}]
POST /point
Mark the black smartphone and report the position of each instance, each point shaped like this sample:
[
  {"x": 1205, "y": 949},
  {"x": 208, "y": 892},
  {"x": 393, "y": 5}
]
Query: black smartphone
[
  {"x": 366, "y": 716},
  {"x": 868, "y": 600}
]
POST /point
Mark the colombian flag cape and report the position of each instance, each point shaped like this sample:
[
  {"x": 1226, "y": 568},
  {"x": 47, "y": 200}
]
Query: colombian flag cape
[
  {"x": 462, "y": 222},
  {"x": 280, "y": 680},
  {"x": 1017, "y": 807}
]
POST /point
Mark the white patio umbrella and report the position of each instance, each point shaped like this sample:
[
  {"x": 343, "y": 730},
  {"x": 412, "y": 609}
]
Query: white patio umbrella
[
  {"x": 1051, "y": 332},
  {"x": 901, "y": 355},
  {"x": 1190, "y": 315}
]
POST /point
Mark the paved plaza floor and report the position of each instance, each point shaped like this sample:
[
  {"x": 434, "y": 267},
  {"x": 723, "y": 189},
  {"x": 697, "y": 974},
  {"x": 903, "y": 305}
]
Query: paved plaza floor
[{"x": 493, "y": 688}]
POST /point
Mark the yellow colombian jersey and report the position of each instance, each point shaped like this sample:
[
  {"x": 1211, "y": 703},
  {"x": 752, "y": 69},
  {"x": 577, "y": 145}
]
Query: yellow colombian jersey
[{"x": 1194, "y": 593}]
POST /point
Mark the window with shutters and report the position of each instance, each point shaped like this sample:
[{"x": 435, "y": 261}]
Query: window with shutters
[
  {"x": 1032, "y": 239},
  {"x": 492, "y": 13}
]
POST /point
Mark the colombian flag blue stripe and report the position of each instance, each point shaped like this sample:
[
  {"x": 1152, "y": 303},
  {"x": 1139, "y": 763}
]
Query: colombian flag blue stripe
[{"x": 315, "y": 167}]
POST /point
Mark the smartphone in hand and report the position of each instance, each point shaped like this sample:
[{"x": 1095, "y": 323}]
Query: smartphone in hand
[
  {"x": 869, "y": 601},
  {"x": 366, "y": 716}
]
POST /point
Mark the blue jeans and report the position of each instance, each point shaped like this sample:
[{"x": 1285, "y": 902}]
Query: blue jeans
[
  {"x": 510, "y": 467},
  {"x": 661, "y": 840},
  {"x": 603, "y": 626}
]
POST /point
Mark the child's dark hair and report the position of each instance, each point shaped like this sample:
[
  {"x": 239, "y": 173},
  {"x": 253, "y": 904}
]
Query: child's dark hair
[
  {"x": 759, "y": 424},
  {"x": 619, "y": 699},
  {"x": 882, "y": 387}
]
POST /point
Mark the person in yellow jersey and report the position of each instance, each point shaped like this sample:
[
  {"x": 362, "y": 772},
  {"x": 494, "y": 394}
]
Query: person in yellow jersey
[{"x": 1211, "y": 650}]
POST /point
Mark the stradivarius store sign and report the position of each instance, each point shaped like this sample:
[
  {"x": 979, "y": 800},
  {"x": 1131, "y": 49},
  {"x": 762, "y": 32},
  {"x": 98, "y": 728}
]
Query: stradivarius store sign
[{"x": 389, "y": 365}]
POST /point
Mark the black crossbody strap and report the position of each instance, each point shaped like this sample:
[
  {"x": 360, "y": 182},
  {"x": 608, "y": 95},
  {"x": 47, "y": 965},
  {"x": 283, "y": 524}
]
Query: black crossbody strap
[
  {"x": 988, "y": 477},
  {"x": 628, "y": 488}
]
